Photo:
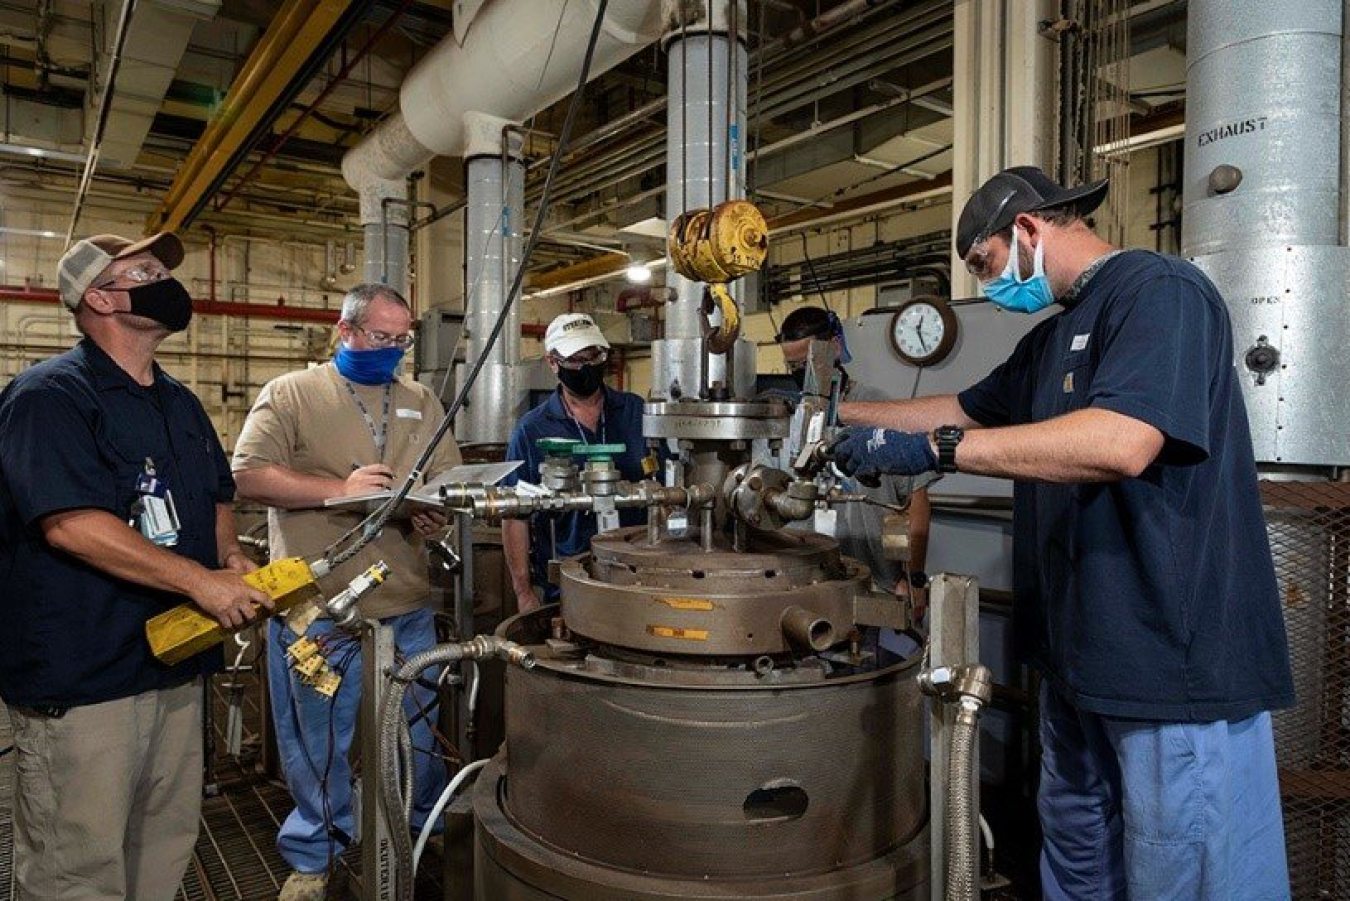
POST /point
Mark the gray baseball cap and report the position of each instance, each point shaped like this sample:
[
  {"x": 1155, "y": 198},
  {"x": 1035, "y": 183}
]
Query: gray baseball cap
[
  {"x": 1021, "y": 189},
  {"x": 86, "y": 260}
]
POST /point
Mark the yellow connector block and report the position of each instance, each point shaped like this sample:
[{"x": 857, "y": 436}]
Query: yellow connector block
[
  {"x": 327, "y": 684},
  {"x": 177, "y": 634},
  {"x": 302, "y": 649},
  {"x": 309, "y": 667}
]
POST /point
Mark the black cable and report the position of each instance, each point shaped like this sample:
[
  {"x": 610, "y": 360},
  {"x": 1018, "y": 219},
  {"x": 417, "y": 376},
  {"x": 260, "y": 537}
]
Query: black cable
[
  {"x": 371, "y": 525},
  {"x": 811, "y": 268},
  {"x": 4, "y": 751}
]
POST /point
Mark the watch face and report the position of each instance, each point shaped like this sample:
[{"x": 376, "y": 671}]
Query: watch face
[{"x": 923, "y": 331}]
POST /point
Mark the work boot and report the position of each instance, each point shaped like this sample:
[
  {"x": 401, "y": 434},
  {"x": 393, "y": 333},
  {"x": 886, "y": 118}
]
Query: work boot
[{"x": 304, "y": 887}]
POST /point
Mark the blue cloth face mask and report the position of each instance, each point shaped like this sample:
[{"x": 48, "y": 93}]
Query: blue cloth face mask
[
  {"x": 368, "y": 367},
  {"x": 1008, "y": 291}
]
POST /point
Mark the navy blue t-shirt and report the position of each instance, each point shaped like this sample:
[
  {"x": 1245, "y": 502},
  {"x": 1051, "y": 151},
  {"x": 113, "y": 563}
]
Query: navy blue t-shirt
[
  {"x": 1152, "y": 597},
  {"x": 75, "y": 432},
  {"x": 620, "y": 423}
]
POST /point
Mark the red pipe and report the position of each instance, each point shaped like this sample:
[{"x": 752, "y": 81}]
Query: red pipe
[
  {"x": 279, "y": 311},
  {"x": 533, "y": 329}
]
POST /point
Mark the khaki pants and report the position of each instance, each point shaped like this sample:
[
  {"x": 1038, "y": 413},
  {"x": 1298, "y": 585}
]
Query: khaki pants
[{"x": 108, "y": 798}]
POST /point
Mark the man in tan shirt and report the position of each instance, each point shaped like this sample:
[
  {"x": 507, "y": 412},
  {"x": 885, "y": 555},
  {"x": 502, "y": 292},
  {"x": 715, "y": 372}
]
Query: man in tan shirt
[{"x": 346, "y": 428}]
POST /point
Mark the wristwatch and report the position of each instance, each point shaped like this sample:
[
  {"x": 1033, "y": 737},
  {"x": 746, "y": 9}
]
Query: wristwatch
[
  {"x": 918, "y": 578},
  {"x": 947, "y": 437}
]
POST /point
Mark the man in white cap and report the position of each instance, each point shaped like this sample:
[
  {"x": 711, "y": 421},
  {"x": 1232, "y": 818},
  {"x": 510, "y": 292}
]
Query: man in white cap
[
  {"x": 582, "y": 409},
  {"x": 115, "y": 504}
]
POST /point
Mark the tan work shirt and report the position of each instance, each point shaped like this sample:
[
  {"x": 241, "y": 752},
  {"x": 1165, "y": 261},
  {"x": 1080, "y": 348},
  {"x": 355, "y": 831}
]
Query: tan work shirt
[{"x": 310, "y": 422}]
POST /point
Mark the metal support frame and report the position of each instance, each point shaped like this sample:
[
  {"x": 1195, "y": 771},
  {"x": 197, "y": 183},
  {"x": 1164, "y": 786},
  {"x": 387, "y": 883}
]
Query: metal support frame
[
  {"x": 459, "y": 860},
  {"x": 953, "y": 639},
  {"x": 378, "y": 874}
]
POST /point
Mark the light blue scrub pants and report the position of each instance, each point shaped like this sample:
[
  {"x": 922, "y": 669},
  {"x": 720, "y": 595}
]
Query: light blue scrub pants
[
  {"x": 314, "y": 735},
  {"x": 1158, "y": 811}
]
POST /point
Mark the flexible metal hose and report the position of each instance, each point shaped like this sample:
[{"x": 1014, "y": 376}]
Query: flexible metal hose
[
  {"x": 963, "y": 883},
  {"x": 393, "y": 726},
  {"x": 395, "y": 779}
]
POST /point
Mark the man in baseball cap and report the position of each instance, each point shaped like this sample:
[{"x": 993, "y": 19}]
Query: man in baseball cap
[
  {"x": 86, "y": 260},
  {"x": 581, "y": 409},
  {"x": 1138, "y": 534},
  {"x": 115, "y": 504}
]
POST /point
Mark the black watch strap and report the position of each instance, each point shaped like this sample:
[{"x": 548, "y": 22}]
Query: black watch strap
[{"x": 946, "y": 438}]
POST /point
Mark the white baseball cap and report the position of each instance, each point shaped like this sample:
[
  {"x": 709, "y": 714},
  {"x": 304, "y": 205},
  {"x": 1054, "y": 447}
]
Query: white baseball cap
[
  {"x": 572, "y": 332},
  {"x": 85, "y": 260}
]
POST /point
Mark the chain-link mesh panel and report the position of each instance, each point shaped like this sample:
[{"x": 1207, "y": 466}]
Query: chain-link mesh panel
[{"x": 1309, "y": 527}]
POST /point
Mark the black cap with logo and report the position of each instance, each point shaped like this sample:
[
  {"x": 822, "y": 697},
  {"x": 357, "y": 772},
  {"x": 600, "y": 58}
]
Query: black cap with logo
[{"x": 1021, "y": 189}]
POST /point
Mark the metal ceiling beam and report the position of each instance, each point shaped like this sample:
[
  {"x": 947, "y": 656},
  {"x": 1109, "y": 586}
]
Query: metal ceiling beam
[{"x": 299, "y": 30}]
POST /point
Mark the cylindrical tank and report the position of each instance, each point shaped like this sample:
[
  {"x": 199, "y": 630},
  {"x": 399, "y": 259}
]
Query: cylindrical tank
[
  {"x": 1263, "y": 96},
  {"x": 1262, "y": 213},
  {"x": 629, "y": 779}
]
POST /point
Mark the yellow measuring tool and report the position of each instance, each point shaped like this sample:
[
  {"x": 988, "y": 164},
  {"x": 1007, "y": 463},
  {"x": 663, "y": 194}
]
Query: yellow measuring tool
[{"x": 177, "y": 634}]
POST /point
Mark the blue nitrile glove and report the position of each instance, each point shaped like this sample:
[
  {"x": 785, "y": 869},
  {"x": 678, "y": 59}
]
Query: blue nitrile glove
[{"x": 870, "y": 453}]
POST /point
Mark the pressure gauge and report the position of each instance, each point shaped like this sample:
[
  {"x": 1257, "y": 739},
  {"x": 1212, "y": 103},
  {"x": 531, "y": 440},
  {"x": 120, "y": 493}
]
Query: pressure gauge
[{"x": 923, "y": 331}]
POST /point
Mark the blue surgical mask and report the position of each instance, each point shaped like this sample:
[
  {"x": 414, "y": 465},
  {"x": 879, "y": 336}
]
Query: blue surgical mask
[
  {"x": 1008, "y": 291},
  {"x": 368, "y": 367}
]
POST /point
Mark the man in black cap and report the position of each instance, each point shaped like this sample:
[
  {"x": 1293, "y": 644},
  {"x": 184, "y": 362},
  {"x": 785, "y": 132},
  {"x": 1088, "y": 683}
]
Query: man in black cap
[
  {"x": 1145, "y": 591},
  {"x": 115, "y": 505}
]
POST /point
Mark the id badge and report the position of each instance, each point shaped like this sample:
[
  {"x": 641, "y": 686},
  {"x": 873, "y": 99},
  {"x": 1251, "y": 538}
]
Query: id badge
[
  {"x": 157, "y": 518},
  {"x": 154, "y": 513}
]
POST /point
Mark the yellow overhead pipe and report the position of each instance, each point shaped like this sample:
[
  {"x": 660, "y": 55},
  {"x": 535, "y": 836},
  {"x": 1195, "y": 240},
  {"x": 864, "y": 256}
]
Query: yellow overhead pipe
[{"x": 297, "y": 30}]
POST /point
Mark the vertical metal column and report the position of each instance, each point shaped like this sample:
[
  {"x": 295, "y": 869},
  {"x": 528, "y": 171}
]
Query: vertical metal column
[
  {"x": 378, "y": 876},
  {"x": 953, "y": 640},
  {"x": 705, "y": 128},
  {"x": 492, "y": 248},
  {"x": 1002, "y": 99},
  {"x": 384, "y": 230}
]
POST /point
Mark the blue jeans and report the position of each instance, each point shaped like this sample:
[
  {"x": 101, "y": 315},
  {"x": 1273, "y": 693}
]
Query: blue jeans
[
  {"x": 314, "y": 736},
  {"x": 1158, "y": 811}
]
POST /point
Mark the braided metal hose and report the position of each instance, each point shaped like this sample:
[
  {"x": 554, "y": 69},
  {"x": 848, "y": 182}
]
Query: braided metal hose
[
  {"x": 395, "y": 786},
  {"x": 963, "y": 883}
]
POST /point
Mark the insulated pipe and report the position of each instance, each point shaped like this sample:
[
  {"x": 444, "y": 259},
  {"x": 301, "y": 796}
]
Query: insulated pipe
[
  {"x": 495, "y": 209},
  {"x": 384, "y": 231},
  {"x": 705, "y": 126},
  {"x": 518, "y": 57}
]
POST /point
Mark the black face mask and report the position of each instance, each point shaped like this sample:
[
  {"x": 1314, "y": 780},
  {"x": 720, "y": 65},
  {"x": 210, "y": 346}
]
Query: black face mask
[
  {"x": 799, "y": 377},
  {"x": 165, "y": 301},
  {"x": 582, "y": 382}
]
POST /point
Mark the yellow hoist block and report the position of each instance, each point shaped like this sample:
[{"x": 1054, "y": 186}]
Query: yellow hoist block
[
  {"x": 177, "y": 634},
  {"x": 717, "y": 246}
]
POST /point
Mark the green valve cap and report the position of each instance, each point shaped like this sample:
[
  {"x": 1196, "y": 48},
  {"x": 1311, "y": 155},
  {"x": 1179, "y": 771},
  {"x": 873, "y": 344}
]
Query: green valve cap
[
  {"x": 598, "y": 452},
  {"x": 557, "y": 446}
]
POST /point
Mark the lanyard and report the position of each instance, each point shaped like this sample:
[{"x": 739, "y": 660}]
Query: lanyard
[
  {"x": 380, "y": 437},
  {"x": 604, "y": 431}
]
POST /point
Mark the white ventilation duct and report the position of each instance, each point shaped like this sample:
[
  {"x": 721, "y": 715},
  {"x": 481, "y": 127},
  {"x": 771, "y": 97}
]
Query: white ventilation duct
[
  {"x": 157, "y": 37},
  {"x": 518, "y": 57}
]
